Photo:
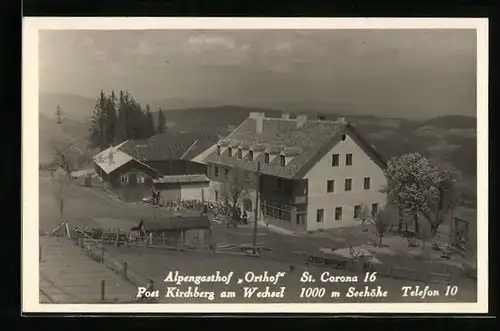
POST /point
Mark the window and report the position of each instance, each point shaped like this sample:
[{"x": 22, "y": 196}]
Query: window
[
  {"x": 266, "y": 158},
  {"x": 282, "y": 160},
  {"x": 348, "y": 184},
  {"x": 320, "y": 215},
  {"x": 218, "y": 150},
  {"x": 124, "y": 178},
  {"x": 250, "y": 155},
  {"x": 330, "y": 186},
  {"x": 348, "y": 159},
  {"x": 344, "y": 137},
  {"x": 226, "y": 172},
  {"x": 216, "y": 171},
  {"x": 280, "y": 183},
  {"x": 230, "y": 152},
  {"x": 338, "y": 213},
  {"x": 367, "y": 183},
  {"x": 335, "y": 160},
  {"x": 357, "y": 211},
  {"x": 216, "y": 196},
  {"x": 240, "y": 153},
  {"x": 374, "y": 209}
]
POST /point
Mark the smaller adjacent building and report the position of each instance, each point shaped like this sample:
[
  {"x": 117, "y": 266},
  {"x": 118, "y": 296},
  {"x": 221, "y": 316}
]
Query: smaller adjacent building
[
  {"x": 167, "y": 160},
  {"x": 118, "y": 168},
  {"x": 182, "y": 187},
  {"x": 180, "y": 231}
]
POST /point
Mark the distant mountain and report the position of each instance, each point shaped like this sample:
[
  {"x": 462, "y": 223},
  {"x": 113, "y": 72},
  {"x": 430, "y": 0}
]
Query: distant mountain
[
  {"x": 72, "y": 106},
  {"x": 219, "y": 119},
  {"x": 453, "y": 122},
  {"x": 180, "y": 103},
  {"x": 436, "y": 137},
  {"x": 302, "y": 106}
]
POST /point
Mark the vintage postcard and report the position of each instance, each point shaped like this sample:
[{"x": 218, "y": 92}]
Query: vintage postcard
[{"x": 255, "y": 165}]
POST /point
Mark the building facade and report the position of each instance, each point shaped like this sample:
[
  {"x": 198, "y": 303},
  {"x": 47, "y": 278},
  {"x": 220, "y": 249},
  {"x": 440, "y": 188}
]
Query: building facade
[
  {"x": 182, "y": 187},
  {"x": 168, "y": 158},
  {"x": 314, "y": 174}
]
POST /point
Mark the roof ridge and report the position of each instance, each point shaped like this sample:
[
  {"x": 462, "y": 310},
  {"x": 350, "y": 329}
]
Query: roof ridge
[{"x": 189, "y": 149}]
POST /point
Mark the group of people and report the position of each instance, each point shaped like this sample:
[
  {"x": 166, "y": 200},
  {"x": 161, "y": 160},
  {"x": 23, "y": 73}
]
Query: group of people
[{"x": 156, "y": 197}]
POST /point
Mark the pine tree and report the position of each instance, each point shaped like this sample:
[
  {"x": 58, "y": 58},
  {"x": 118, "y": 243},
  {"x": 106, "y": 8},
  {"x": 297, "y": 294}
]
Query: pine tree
[
  {"x": 161, "y": 121},
  {"x": 125, "y": 117},
  {"x": 115, "y": 121},
  {"x": 98, "y": 130},
  {"x": 135, "y": 120},
  {"x": 120, "y": 127},
  {"x": 111, "y": 119},
  {"x": 149, "y": 123}
]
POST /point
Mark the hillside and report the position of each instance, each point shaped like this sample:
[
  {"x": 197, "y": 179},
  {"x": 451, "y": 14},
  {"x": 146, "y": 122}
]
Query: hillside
[
  {"x": 73, "y": 107},
  {"x": 221, "y": 119},
  {"x": 450, "y": 138},
  {"x": 452, "y": 122},
  {"x": 53, "y": 135}
]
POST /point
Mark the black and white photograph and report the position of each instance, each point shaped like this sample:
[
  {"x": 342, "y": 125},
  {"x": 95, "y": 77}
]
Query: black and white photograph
[{"x": 223, "y": 165}]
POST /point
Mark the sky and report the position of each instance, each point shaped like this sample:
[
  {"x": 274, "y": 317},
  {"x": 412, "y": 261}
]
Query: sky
[{"x": 394, "y": 73}]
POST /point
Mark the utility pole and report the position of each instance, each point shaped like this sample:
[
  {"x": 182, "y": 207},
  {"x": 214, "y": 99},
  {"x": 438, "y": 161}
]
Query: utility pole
[
  {"x": 256, "y": 218},
  {"x": 58, "y": 114}
]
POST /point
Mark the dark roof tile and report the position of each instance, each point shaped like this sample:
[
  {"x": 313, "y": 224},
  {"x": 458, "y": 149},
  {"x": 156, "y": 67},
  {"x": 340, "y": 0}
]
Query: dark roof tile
[
  {"x": 278, "y": 134},
  {"x": 169, "y": 146}
]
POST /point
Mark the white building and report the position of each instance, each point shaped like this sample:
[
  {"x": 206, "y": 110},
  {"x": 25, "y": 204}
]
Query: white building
[{"x": 315, "y": 174}]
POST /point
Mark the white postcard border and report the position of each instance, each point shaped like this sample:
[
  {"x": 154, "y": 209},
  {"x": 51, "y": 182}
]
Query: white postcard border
[{"x": 30, "y": 160}]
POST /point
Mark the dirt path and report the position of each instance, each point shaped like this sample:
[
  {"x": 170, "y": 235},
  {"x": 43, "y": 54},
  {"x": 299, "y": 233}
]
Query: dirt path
[{"x": 67, "y": 275}]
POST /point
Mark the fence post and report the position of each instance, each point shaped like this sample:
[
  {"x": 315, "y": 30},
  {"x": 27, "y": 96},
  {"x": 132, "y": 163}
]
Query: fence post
[
  {"x": 293, "y": 218},
  {"x": 103, "y": 290},
  {"x": 125, "y": 270}
]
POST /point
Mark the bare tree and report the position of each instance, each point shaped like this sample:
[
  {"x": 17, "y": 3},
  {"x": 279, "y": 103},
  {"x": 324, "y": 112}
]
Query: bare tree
[
  {"x": 381, "y": 220},
  {"x": 364, "y": 216},
  {"x": 236, "y": 188},
  {"x": 62, "y": 185}
]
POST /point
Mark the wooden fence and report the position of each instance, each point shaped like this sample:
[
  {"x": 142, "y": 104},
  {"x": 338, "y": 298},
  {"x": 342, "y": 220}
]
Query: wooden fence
[{"x": 97, "y": 251}]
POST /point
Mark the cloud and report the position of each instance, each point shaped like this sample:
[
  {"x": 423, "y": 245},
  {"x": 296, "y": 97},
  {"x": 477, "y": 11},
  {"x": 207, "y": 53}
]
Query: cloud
[
  {"x": 282, "y": 47},
  {"x": 211, "y": 41},
  {"x": 216, "y": 51}
]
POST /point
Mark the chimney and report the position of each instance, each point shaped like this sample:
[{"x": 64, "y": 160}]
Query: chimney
[
  {"x": 285, "y": 116},
  {"x": 111, "y": 156},
  {"x": 259, "y": 121},
  {"x": 301, "y": 120}
]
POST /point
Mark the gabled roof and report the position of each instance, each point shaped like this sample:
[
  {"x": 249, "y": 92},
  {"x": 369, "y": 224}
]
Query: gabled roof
[
  {"x": 313, "y": 139},
  {"x": 118, "y": 159},
  {"x": 169, "y": 146}
]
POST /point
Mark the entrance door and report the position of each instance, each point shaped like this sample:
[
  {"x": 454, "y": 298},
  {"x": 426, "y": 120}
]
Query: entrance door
[
  {"x": 300, "y": 222},
  {"x": 132, "y": 179}
]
